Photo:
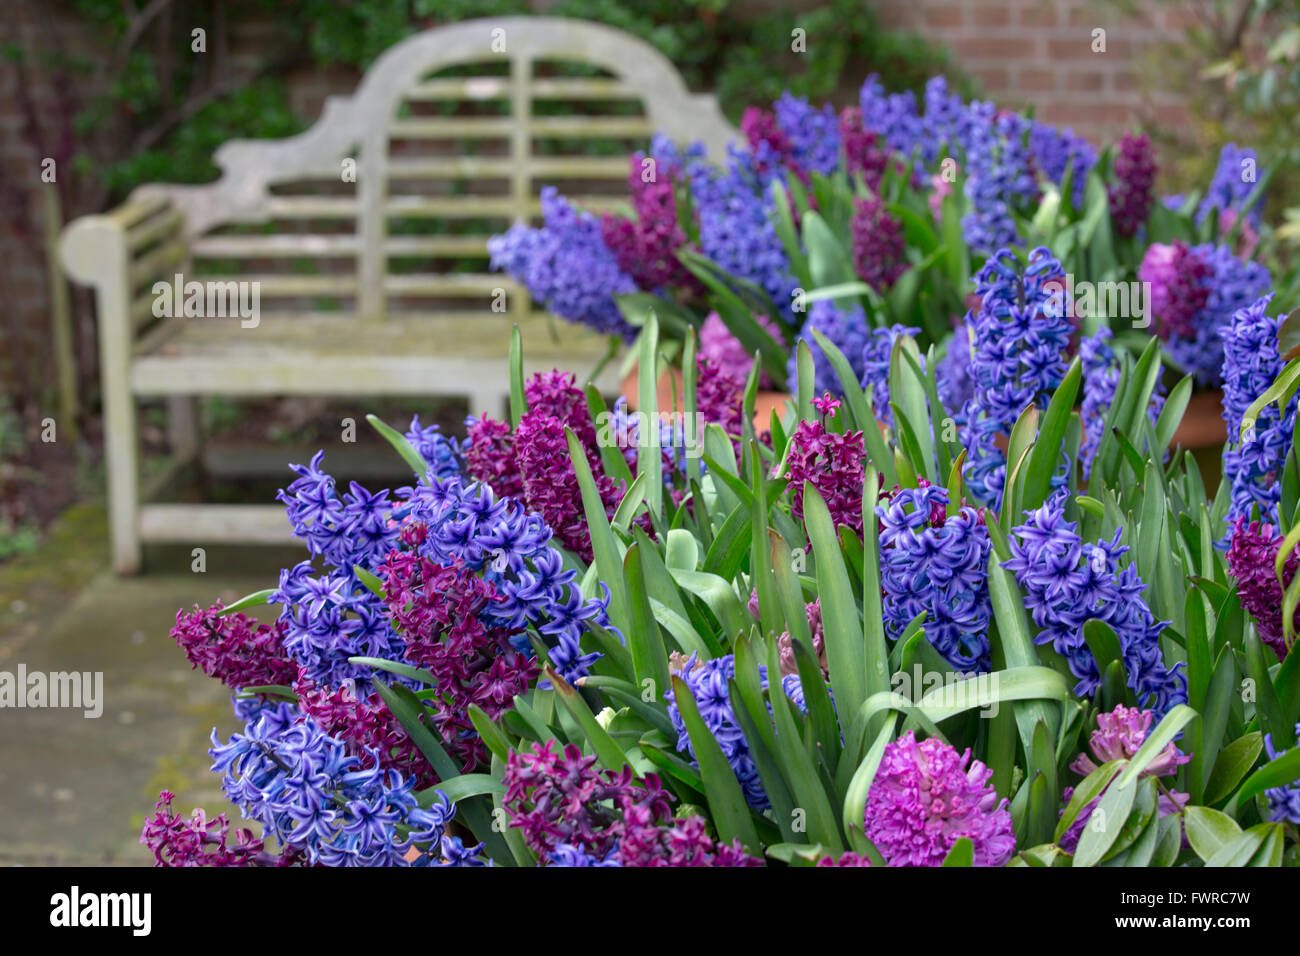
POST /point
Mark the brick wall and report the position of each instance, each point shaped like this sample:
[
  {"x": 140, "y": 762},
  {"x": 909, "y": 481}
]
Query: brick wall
[
  {"x": 1021, "y": 52},
  {"x": 1040, "y": 53}
]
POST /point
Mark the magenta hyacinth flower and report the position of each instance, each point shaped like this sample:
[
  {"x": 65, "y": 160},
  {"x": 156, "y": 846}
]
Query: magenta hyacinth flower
[
  {"x": 1118, "y": 736},
  {"x": 832, "y": 462},
  {"x": 199, "y": 841},
  {"x": 1132, "y": 195},
  {"x": 924, "y": 797},
  {"x": 877, "y": 244},
  {"x": 1251, "y": 556},
  {"x": 490, "y": 457},
  {"x": 234, "y": 648},
  {"x": 646, "y": 247},
  {"x": 845, "y": 859},
  {"x": 1178, "y": 293},
  {"x": 865, "y": 153}
]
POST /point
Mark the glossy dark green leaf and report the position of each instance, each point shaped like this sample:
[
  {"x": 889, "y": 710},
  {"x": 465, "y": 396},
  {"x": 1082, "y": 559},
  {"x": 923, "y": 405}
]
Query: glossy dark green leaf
[
  {"x": 398, "y": 441},
  {"x": 255, "y": 599},
  {"x": 396, "y": 667},
  {"x": 962, "y": 853},
  {"x": 607, "y": 751},
  {"x": 726, "y": 802}
]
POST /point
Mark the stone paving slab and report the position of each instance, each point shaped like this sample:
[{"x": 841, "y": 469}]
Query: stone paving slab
[{"x": 76, "y": 790}]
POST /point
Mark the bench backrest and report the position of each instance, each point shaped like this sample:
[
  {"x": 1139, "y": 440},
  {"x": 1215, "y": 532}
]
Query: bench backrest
[{"x": 385, "y": 205}]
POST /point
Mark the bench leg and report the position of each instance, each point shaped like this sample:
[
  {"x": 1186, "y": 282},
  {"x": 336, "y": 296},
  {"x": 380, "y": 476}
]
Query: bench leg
[
  {"x": 120, "y": 455},
  {"x": 183, "y": 426}
]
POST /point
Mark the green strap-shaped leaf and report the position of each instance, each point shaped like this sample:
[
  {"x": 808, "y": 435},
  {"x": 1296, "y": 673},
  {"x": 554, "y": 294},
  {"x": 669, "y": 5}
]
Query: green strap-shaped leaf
[
  {"x": 396, "y": 667},
  {"x": 649, "y": 462},
  {"x": 805, "y": 381},
  {"x": 907, "y": 392},
  {"x": 255, "y": 599},
  {"x": 727, "y": 804},
  {"x": 603, "y": 545},
  {"x": 855, "y": 798},
  {"x": 1085, "y": 793},
  {"x": 403, "y": 705},
  {"x": 1280, "y": 772},
  {"x": 607, "y": 751},
  {"x": 395, "y": 438},
  {"x": 962, "y": 853},
  {"x": 1209, "y": 830},
  {"x": 1013, "y": 637},
  {"x": 649, "y": 659},
  {"x": 496, "y": 741},
  {"x": 518, "y": 403},
  {"x": 627, "y": 508},
  {"x": 794, "y": 752},
  {"x": 1105, "y": 824},
  {"x": 851, "y": 673},
  {"x": 720, "y": 598},
  {"x": 1168, "y": 728},
  {"x": 1282, "y": 386},
  {"x": 1044, "y": 460},
  {"x": 1234, "y": 762},
  {"x": 463, "y": 787}
]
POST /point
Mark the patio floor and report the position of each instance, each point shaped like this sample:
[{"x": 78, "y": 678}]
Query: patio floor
[{"x": 76, "y": 790}]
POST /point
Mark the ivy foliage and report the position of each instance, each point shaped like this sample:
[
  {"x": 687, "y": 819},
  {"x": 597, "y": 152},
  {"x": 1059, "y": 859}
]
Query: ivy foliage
[{"x": 746, "y": 56}]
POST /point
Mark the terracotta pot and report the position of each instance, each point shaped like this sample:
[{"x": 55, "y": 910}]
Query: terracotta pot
[
  {"x": 671, "y": 390},
  {"x": 1202, "y": 425}
]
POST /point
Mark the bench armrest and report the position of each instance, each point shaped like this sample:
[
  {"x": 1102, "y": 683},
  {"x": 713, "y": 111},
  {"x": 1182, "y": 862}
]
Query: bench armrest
[{"x": 119, "y": 254}]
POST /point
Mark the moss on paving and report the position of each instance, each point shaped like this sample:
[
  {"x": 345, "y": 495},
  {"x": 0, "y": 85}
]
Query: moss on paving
[{"x": 76, "y": 790}]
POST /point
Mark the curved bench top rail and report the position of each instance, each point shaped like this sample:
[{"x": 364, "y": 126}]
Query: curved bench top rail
[{"x": 250, "y": 167}]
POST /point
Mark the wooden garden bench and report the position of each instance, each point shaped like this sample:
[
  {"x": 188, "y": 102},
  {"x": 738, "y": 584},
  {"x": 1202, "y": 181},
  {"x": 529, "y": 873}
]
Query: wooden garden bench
[{"x": 361, "y": 284}]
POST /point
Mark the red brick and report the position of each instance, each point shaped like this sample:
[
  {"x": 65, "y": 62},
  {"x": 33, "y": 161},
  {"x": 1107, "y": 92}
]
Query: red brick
[
  {"x": 1032, "y": 81},
  {"x": 992, "y": 80},
  {"x": 990, "y": 14},
  {"x": 1074, "y": 47},
  {"x": 1171, "y": 114},
  {"x": 945, "y": 16},
  {"x": 994, "y": 47},
  {"x": 1084, "y": 82},
  {"x": 1123, "y": 81},
  {"x": 1039, "y": 14}
]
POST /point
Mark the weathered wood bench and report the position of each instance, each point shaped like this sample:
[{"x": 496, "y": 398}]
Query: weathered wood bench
[{"x": 360, "y": 279}]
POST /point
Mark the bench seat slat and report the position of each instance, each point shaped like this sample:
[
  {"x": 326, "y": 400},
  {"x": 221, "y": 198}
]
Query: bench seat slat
[
  {"x": 408, "y": 353},
  {"x": 397, "y": 355}
]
